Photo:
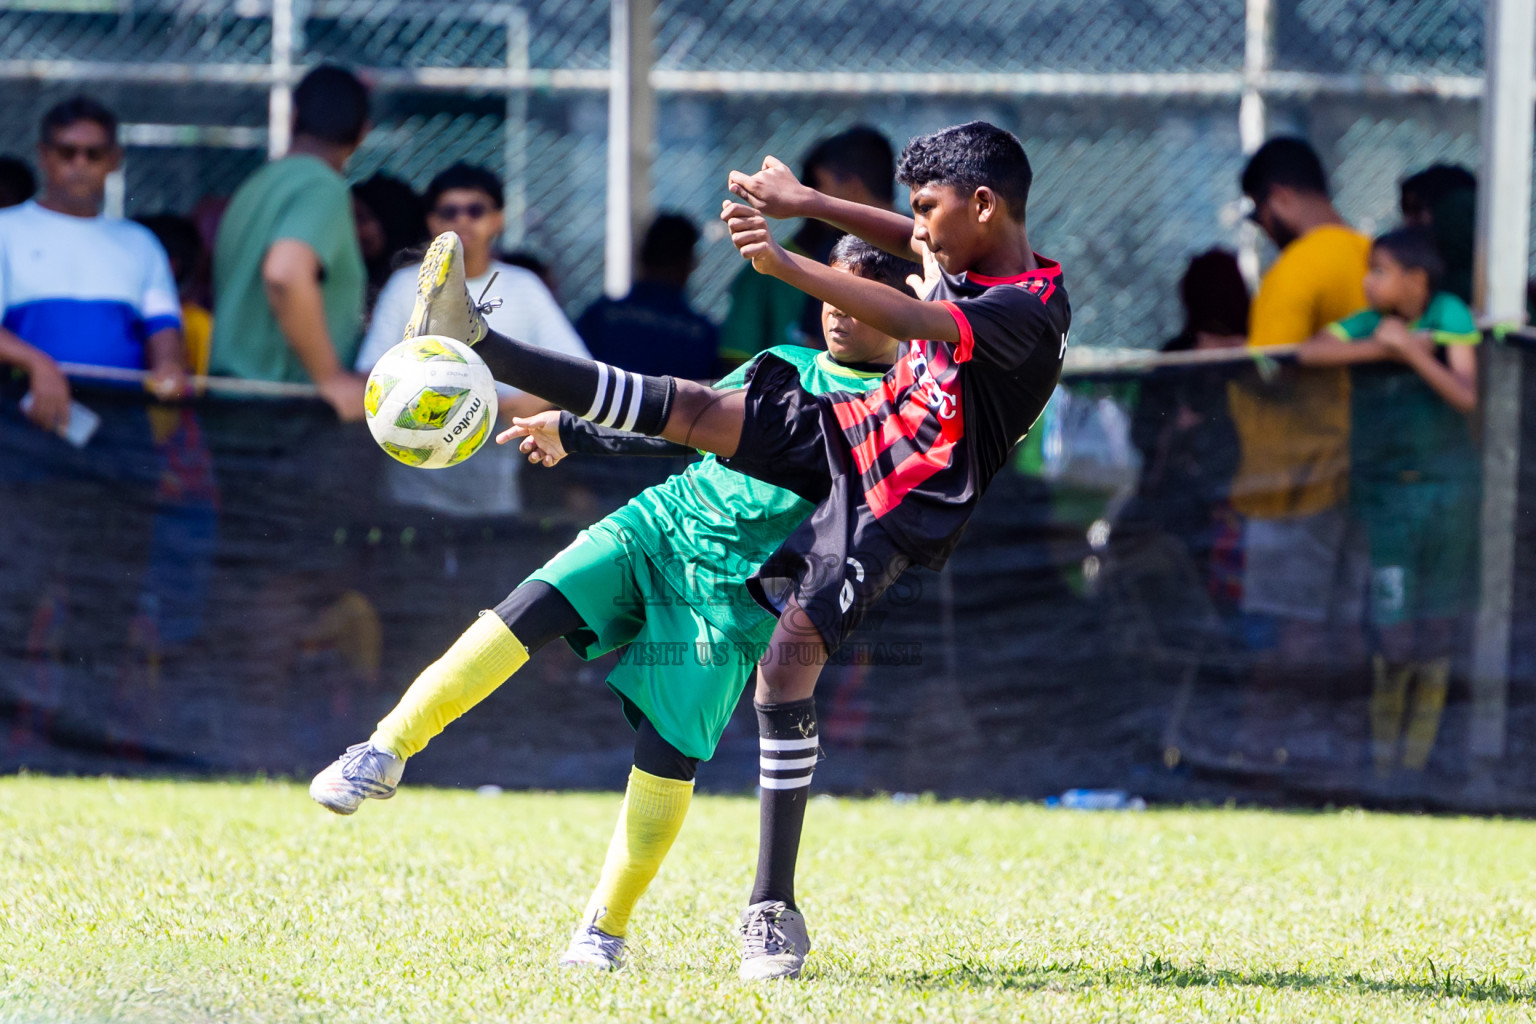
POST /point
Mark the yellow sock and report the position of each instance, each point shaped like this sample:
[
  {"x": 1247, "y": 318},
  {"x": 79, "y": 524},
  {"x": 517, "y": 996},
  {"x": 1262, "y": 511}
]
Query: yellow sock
[
  {"x": 478, "y": 662},
  {"x": 1428, "y": 705},
  {"x": 649, "y": 819},
  {"x": 1388, "y": 697}
]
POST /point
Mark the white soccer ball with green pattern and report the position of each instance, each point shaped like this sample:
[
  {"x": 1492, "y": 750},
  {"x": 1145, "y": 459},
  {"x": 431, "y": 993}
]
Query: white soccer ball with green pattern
[{"x": 431, "y": 402}]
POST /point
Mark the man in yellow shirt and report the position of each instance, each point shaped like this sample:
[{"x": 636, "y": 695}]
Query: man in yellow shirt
[{"x": 1305, "y": 562}]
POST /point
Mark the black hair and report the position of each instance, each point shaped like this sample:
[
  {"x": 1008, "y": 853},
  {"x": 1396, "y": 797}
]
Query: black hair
[
  {"x": 668, "y": 243},
  {"x": 17, "y": 183},
  {"x": 73, "y": 111},
  {"x": 865, "y": 260},
  {"x": 399, "y": 211},
  {"x": 1215, "y": 298},
  {"x": 1415, "y": 249},
  {"x": 331, "y": 104},
  {"x": 1284, "y": 161},
  {"x": 465, "y": 176},
  {"x": 967, "y": 157},
  {"x": 182, "y": 242},
  {"x": 1425, "y": 189},
  {"x": 860, "y": 152}
]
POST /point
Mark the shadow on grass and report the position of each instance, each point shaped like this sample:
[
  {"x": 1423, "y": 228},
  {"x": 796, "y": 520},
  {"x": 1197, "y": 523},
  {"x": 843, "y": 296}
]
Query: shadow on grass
[{"x": 965, "y": 973}]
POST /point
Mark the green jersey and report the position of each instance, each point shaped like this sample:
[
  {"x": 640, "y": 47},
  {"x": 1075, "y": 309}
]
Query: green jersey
[
  {"x": 708, "y": 528},
  {"x": 1400, "y": 429},
  {"x": 298, "y": 197}
]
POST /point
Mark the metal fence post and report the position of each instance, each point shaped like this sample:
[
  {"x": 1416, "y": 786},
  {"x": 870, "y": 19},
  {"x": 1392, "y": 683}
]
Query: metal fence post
[
  {"x": 515, "y": 153},
  {"x": 280, "y": 98},
  {"x": 1252, "y": 124},
  {"x": 631, "y": 129},
  {"x": 1503, "y": 248}
]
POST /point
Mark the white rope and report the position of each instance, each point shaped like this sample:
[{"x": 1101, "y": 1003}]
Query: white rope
[{"x": 200, "y": 384}]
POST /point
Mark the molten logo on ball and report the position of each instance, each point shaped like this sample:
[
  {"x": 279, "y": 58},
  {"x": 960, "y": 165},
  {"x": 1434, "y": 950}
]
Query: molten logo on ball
[{"x": 430, "y": 402}]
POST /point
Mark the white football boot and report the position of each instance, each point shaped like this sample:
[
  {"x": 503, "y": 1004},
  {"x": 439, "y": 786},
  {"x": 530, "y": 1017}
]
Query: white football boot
[
  {"x": 592, "y": 947},
  {"x": 774, "y": 942},
  {"x": 364, "y": 772},
  {"x": 444, "y": 306}
]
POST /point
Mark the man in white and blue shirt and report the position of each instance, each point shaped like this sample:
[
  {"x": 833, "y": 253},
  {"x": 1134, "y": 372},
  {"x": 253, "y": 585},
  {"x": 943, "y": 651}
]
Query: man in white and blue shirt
[{"x": 76, "y": 287}]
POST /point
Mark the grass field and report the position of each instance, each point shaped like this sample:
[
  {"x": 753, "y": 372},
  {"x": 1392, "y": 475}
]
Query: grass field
[{"x": 159, "y": 901}]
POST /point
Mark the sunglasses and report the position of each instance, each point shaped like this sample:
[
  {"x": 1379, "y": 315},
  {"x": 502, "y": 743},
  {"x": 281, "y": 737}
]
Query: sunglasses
[
  {"x": 451, "y": 211},
  {"x": 69, "y": 154}
]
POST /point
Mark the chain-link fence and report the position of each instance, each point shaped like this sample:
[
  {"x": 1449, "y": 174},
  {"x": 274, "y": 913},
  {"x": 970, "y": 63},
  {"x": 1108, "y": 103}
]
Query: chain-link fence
[{"x": 1129, "y": 109}]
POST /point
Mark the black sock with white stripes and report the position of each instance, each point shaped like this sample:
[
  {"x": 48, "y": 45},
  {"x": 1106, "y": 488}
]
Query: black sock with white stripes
[
  {"x": 594, "y": 391},
  {"x": 787, "y": 748}
]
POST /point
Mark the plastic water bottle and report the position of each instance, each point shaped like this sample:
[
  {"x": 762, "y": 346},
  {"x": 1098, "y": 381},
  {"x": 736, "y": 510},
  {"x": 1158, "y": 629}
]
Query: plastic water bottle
[{"x": 1097, "y": 800}]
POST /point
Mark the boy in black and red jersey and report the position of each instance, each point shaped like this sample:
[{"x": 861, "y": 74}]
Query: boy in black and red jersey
[{"x": 894, "y": 472}]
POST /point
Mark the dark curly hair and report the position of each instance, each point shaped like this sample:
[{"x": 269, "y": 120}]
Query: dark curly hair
[{"x": 967, "y": 157}]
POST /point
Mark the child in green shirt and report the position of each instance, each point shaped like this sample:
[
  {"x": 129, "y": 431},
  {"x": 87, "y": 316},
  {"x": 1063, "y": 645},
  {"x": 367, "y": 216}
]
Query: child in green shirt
[{"x": 1413, "y": 479}]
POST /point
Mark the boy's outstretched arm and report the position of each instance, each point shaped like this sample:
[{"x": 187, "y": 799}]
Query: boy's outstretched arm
[
  {"x": 1326, "y": 349},
  {"x": 882, "y": 307},
  {"x": 775, "y": 192}
]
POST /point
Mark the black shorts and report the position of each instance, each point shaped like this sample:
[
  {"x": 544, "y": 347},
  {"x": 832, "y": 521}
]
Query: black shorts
[{"x": 837, "y": 563}]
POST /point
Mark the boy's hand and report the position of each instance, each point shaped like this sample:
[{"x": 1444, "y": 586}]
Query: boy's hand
[
  {"x": 773, "y": 191},
  {"x": 540, "y": 434},
  {"x": 1403, "y": 344},
  {"x": 750, "y": 235},
  {"x": 922, "y": 285}
]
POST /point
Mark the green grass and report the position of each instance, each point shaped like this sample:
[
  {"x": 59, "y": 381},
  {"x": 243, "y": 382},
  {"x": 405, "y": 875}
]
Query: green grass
[{"x": 186, "y": 902}]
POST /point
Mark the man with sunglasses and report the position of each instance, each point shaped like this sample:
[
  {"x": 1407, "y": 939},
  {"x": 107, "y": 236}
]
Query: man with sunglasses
[
  {"x": 469, "y": 200},
  {"x": 76, "y": 287}
]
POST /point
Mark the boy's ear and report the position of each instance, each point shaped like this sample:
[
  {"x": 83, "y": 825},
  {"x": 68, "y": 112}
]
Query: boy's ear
[{"x": 984, "y": 202}]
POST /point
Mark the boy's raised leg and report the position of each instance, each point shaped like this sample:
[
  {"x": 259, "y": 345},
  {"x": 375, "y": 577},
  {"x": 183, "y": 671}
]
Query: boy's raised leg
[
  {"x": 678, "y": 410},
  {"x": 485, "y": 656}
]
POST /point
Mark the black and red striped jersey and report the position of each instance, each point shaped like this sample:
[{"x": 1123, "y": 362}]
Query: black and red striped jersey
[{"x": 928, "y": 440}]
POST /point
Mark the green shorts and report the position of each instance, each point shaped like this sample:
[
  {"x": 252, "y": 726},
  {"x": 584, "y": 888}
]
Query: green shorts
[
  {"x": 1424, "y": 547},
  {"x": 677, "y": 668}
]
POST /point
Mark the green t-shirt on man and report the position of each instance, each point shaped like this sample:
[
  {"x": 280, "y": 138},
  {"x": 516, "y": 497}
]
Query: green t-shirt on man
[{"x": 299, "y": 197}]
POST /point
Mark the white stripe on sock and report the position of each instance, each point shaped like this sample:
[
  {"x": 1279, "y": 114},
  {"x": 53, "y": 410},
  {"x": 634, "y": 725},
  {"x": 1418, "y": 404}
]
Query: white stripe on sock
[
  {"x": 602, "y": 391},
  {"x": 620, "y": 389},
  {"x": 802, "y": 743},
  {"x": 767, "y": 783},
  {"x": 636, "y": 386},
  {"x": 797, "y": 762}
]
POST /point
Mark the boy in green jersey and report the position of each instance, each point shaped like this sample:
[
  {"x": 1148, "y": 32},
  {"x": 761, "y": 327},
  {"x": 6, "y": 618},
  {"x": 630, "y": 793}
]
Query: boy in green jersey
[
  {"x": 1413, "y": 479},
  {"x": 663, "y": 578}
]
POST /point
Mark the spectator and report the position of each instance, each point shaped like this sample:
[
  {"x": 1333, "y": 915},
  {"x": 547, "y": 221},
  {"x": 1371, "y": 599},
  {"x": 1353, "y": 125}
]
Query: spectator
[
  {"x": 652, "y": 330},
  {"x": 1443, "y": 200},
  {"x": 1413, "y": 479},
  {"x": 76, "y": 287},
  {"x": 289, "y": 280},
  {"x": 1305, "y": 563},
  {"x": 17, "y": 184},
  {"x": 857, "y": 165},
  {"x": 183, "y": 244},
  {"x": 1187, "y": 441},
  {"x": 469, "y": 200},
  {"x": 390, "y": 220}
]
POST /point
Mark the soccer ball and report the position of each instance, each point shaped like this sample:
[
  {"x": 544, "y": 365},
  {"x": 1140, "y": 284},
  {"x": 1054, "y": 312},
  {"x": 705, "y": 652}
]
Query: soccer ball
[{"x": 430, "y": 402}]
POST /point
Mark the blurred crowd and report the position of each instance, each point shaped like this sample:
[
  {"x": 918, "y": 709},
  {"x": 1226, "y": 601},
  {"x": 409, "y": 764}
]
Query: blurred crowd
[{"x": 1328, "y": 505}]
